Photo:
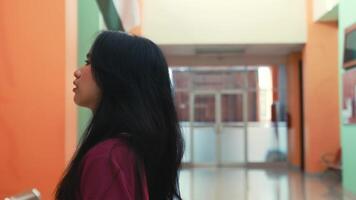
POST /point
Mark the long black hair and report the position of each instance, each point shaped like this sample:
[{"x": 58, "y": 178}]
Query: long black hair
[{"x": 136, "y": 104}]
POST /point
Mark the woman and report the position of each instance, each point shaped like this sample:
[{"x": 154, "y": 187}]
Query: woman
[{"x": 132, "y": 147}]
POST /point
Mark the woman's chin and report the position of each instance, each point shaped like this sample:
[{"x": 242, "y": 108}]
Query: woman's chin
[
  {"x": 80, "y": 103},
  {"x": 76, "y": 100}
]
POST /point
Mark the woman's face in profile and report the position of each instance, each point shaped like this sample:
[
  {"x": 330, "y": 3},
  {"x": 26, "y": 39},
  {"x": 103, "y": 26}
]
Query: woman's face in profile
[{"x": 86, "y": 91}]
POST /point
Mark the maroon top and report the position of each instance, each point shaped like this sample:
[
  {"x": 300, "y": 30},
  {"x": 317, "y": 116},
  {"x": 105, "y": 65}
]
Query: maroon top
[{"x": 109, "y": 172}]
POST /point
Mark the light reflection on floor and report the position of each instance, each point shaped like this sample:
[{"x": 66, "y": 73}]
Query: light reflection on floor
[{"x": 258, "y": 184}]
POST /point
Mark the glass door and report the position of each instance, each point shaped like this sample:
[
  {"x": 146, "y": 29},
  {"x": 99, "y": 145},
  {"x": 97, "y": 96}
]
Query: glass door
[
  {"x": 218, "y": 129},
  {"x": 203, "y": 138},
  {"x": 232, "y": 116},
  {"x": 232, "y": 129}
]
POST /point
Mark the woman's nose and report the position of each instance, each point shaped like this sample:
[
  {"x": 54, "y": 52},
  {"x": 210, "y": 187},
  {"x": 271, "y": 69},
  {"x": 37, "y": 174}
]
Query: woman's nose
[{"x": 77, "y": 73}]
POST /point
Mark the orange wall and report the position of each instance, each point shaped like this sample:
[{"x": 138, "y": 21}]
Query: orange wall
[
  {"x": 320, "y": 85},
  {"x": 293, "y": 107},
  {"x": 37, "y": 116}
]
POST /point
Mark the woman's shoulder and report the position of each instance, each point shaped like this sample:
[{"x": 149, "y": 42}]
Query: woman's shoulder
[
  {"x": 108, "y": 171},
  {"x": 109, "y": 148}
]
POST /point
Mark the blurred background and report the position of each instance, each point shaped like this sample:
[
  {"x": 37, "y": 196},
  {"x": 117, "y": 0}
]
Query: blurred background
[{"x": 265, "y": 91}]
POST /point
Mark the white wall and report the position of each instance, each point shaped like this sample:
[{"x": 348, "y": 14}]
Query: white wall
[{"x": 224, "y": 21}]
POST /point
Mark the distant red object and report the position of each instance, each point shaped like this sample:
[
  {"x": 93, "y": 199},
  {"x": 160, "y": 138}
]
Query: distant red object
[{"x": 333, "y": 161}]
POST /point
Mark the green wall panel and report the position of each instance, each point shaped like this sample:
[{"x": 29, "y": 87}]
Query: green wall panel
[
  {"x": 347, "y": 17},
  {"x": 88, "y": 28}
]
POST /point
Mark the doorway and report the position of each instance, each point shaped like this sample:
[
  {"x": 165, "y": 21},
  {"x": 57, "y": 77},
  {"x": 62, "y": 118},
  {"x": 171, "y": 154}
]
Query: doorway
[
  {"x": 218, "y": 128},
  {"x": 226, "y": 117}
]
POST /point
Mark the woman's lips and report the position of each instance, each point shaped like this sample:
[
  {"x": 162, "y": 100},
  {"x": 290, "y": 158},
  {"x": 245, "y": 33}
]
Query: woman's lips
[{"x": 76, "y": 86}]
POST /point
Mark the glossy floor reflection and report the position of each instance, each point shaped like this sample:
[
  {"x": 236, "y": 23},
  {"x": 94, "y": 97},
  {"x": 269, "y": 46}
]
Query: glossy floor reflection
[{"x": 257, "y": 184}]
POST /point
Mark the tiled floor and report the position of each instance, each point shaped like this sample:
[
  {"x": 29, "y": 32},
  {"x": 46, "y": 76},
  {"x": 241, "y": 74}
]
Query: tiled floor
[{"x": 257, "y": 184}]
